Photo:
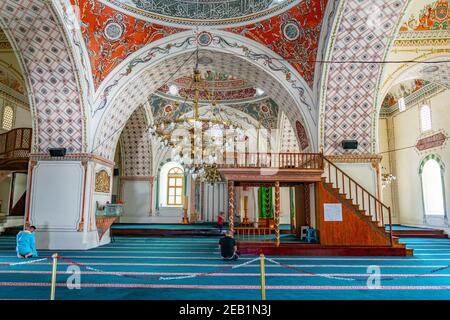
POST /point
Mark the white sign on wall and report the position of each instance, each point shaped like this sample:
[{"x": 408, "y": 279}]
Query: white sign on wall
[{"x": 332, "y": 211}]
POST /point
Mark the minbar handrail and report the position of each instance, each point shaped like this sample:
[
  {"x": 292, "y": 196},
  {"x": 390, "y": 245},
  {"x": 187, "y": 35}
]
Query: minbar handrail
[
  {"x": 303, "y": 161},
  {"x": 15, "y": 143},
  {"x": 379, "y": 206}
]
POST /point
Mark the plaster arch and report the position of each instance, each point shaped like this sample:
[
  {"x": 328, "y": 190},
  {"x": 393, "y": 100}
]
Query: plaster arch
[
  {"x": 51, "y": 77},
  {"x": 146, "y": 70},
  {"x": 406, "y": 72}
]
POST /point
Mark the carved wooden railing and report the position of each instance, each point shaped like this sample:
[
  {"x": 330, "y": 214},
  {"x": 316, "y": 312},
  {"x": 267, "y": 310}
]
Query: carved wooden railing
[
  {"x": 358, "y": 195},
  {"x": 15, "y": 143},
  {"x": 254, "y": 234},
  {"x": 303, "y": 161}
]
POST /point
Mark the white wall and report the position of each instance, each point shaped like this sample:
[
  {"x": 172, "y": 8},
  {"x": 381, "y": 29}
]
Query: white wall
[
  {"x": 20, "y": 186},
  {"x": 5, "y": 188},
  {"x": 285, "y": 216},
  {"x": 136, "y": 195},
  {"x": 22, "y": 118},
  {"x": 406, "y": 190},
  {"x": 56, "y": 205},
  {"x": 216, "y": 200}
]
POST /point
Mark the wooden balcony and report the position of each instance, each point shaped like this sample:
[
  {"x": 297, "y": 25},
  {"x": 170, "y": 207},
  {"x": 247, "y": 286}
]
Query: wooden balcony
[
  {"x": 15, "y": 147},
  {"x": 287, "y": 168}
]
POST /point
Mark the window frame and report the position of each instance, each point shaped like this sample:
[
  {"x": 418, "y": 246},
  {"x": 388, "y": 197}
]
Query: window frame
[
  {"x": 422, "y": 130},
  {"x": 176, "y": 176},
  {"x": 442, "y": 173},
  {"x": 12, "y": 118}
]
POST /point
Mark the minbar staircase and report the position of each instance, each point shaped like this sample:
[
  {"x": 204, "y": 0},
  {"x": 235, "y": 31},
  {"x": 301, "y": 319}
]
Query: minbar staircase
[{"x": 362, "y": 203}]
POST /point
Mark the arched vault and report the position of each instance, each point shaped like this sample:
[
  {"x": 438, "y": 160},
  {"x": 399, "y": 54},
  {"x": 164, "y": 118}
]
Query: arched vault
[{"x": 147, "y": 70}]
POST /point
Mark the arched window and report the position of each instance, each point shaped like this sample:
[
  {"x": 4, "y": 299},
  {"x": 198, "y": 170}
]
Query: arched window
[
  {"x": 8, "y": 118},
  {"x": 425, "y": 118},
  {"x": 432, "y": 187},
  {"x": 175, "y": 185}
]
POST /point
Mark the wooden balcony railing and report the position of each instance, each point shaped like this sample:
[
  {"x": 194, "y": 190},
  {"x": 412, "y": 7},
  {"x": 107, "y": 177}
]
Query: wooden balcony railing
[
  {"x": 359, "y": 195},
  {"x": 304, "y": 161},
  {"x": 15, "y": 143},
  {"x": 254, "y": 234}
]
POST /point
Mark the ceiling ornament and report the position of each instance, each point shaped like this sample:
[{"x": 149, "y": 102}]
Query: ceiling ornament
[
  {"x": 111, "y": 36},
  {"x": 113, "y": 30},
  {"x": 265, "y": 111},
  {"x": 217, "y": 41},
  {"x": 435, "y": 16},
  {"x": 294, "y": 35},
  {"x": 291, "y": 30},
  {"x": 146, "y": 71},
  {"x": 188, "y": 13},
  {"x": 431, "y": 28}
]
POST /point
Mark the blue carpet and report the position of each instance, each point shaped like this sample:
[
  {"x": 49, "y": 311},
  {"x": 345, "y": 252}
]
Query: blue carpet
[
  {"x": 175, "y": 226},
  {"x": 404, "y": 228},
  {"x": 132, "y": 267}
]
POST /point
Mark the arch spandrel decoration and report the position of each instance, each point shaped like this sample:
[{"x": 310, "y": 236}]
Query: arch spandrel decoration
[
  {"x": 431, "y": 157},
  {"x": 52, "y": 82},
  {"x": 363, "y": 33},
  {"x": 102, "y": 182},
  {"x": 228, "y": 53}
]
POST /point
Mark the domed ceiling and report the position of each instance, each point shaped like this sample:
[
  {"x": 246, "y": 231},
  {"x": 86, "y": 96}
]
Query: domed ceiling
[{"x": 201, "y": 12}]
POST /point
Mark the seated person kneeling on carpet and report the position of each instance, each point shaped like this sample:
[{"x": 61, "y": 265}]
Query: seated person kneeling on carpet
[
  {"x": 26, "y": 243},
  {"x": 228, "y": 247}
]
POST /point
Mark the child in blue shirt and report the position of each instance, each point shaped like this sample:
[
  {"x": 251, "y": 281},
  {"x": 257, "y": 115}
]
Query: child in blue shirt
[{"x": 26, "y": 243}]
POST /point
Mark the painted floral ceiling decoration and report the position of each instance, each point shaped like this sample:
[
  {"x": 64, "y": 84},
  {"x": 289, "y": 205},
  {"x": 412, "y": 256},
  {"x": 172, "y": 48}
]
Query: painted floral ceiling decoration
[
  {"x": 4, "y": 43},
  {"x": 403, "y": 89},
  {"x": 216, "y": 86},
  {"x": 264, "y": 111},
  {"x": 294, "y": 35},
  {"x": 204, "y": 12},
  {"x": 112, "y": 36},
  {"x": 11, "y": 80},
  {"x": 435, "y": 16}
]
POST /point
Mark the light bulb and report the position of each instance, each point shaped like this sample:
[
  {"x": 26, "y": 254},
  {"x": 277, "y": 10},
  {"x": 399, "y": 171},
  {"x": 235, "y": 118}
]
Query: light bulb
[
  {"x": 259, "y": 91},
  {"x": 173, "y": 90}
]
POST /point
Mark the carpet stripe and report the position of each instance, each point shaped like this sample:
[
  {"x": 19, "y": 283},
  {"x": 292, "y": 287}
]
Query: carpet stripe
[
  {"x": 220, "y": 274},
  {"x": 222, "y": 287}
]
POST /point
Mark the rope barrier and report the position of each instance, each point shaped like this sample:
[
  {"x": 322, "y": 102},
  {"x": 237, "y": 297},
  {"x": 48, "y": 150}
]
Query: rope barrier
[
  {"x": 194, "y": 275},
  {"x": 24, "y": 262},
  {"x": 353, "y": 279},
  {"x": 306, "y": 272}
]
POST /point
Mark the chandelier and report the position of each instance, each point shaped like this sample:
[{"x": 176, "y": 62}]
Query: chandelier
[
  {"x": 387, "y": 178},
  {"x": 198, "y": 142}
]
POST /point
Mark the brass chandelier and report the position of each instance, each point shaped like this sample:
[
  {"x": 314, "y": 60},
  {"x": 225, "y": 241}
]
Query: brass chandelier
[{"x": 198, "y": 142}]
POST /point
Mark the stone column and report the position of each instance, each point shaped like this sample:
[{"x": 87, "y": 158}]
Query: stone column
[
  {"x": 231, "y": 205},
  {"x": 277, "y": 212}
]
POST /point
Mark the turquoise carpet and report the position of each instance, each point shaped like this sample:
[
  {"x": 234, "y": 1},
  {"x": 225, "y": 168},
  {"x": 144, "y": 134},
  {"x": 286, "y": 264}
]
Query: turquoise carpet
[
  {"x": 135, "y": 267},
  {"x": 400, "y": 227},
  {"x": 175, "y": 226}
]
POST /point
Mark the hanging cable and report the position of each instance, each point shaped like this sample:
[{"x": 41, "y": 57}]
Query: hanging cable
[{"x": 405, "y": 148}]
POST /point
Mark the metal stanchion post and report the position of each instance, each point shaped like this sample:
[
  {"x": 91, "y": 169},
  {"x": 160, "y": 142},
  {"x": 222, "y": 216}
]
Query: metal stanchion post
[
  {"x": 263, "y": 278},
  {"x": 55, "y": 262}
]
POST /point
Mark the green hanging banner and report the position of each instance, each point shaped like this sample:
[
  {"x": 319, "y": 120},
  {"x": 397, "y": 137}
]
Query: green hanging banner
[{"x": 265, "y": 203}]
